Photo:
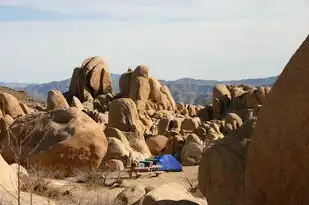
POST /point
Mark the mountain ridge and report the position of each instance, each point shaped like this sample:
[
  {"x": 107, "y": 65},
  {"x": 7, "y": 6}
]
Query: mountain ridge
[{"x": 185, "y": 90}]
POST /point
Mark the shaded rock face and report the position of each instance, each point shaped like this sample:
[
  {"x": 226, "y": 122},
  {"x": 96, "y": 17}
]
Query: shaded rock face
[
  {"x": 222, "y": 167},
  {"x": 278, "y": 158},
  {"x": 192, "y": 151},
  {"x": 221, "y": 101},
  {"x": 91, "y": 79},
  {"x": 64, "y": 139},
  {"x": 137, "y": 85}
]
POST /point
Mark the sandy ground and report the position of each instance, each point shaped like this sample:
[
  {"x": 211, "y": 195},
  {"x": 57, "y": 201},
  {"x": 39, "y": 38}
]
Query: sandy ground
[{"x": 88, "y": 193}]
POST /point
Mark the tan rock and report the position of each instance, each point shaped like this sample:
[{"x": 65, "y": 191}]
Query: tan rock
[
  {"x": 10, "y": 105},
  {"x": 170, "y": 194},
  {"x": 125, "y": 84},
  {"x": 76, "y": 103},
  {"x": 222, "y": 167},
  {"x": 8, "y": 178},
  {"x": 55, "y": 99},
  {"x": 277, "y": 163},
  {"x": 189, "y": 124},
  {"x": 10, "y": 198},
  {"x": 9, "y": 120},
  {"x": 93, "y": 76},
  {"x": 191, "y": 153},
  {"x": 156, "y": 144},
  {"x": 130, "y": 196},
  {"x": 123, "y": 115},
  {"x": 221, "y": 100},
  {"x": 26, "y": 109},
  {"x": 140, "y": 89},
  {"x": 64, "y": 139}
]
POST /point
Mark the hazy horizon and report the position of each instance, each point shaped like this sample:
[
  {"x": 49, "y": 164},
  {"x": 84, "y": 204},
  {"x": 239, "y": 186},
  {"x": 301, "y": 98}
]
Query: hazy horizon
[{"x": 42, "y": 41}]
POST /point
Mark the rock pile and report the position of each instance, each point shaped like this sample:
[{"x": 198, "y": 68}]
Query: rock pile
[{"x": 142, "y": 120}]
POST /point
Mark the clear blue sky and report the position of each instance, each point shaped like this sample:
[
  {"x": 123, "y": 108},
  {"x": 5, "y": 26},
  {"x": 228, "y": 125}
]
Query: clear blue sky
[{"x": 43, "y": 40}]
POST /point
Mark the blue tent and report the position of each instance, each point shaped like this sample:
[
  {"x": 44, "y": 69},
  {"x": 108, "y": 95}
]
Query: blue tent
[{"x": 169, "y": 163}]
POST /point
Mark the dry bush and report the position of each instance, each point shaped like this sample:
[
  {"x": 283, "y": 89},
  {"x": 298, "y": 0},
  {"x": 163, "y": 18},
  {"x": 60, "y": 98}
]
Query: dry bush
[
  {"x": 99, "y": 178},
  {"x": 193, "y": 187}
]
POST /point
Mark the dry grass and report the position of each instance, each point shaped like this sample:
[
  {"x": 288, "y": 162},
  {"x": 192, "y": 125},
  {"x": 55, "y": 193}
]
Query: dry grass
[
  {"x": 97, "y": 178},
  {"x": 43, "y": 187}
]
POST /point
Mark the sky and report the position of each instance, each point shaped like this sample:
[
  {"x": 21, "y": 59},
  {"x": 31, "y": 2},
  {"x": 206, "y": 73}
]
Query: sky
[{"x": 43, "y": 40}]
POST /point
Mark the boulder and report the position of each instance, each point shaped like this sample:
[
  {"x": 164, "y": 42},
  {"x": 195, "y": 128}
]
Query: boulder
[
  {"x": 55, "y": 99},
  {"x": 10, "y": 198},
  {"x": 134, "y": 144},
  {"x": 64, "y": 139},
  {"x": 222, "y": 167},
  {"x": 93, "y": 76},
  {"x": 141, "y": 71},
  {"x": 9, "y": 120},
  {"x": 156, "y": 144},
  {"x": 165, "y": 124},
  {"x": 174, "y": 144},
  {"x": 277, "y": 169},
  {"x": 189, "y": 124},
  {"x": 192, "y": 151},
  {"x": 171, "y": 102},
  {"x": 214, "y": 132},
  {"x": 123, "y": 115},
  {"x": 76, "y": 103},
  {"x": 140, "y": 89},
  {"x": 116, "y": 149},
  {"x": 125, "y": 84},
  {"x": 10, "y": 105},
  {"x": 130, "y": 196},
  {"x": 8, "y": 178},
  {"x": 230, "y": 123},
  {"x": 221, "y": 100},
  {"x": 170, "y": 194}
]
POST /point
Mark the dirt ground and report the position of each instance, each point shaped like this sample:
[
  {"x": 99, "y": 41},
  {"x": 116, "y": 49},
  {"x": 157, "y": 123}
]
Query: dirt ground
[{"x": 95, "y": 193}]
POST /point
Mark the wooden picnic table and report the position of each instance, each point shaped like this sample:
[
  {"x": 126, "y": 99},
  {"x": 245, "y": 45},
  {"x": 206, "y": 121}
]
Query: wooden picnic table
[{"x": 137, "y": 170}]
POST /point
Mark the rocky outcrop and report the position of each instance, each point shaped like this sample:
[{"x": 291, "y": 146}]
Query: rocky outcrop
[
  {"x": 137, "y": 85},
  {"x": 64, "y": 139},
  {"x": 91, "y": 79},
  {"x": 277, "y": 168}
]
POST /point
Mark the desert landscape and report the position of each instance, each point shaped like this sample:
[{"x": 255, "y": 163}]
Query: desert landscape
[{"x": 93, "y": 145}]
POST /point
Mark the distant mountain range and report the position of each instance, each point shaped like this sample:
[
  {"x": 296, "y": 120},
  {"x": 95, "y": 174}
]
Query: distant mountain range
[{"x": 184, "y": 90}]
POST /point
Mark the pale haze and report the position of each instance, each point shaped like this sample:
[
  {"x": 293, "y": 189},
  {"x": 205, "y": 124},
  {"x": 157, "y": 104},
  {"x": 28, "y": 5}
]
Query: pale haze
[{"x": 43, "y": 40}]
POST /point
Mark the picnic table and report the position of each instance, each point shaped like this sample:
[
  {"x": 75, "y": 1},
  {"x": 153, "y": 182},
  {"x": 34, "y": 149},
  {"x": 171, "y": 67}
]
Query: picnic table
[{"x": 148, "y": 165}]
